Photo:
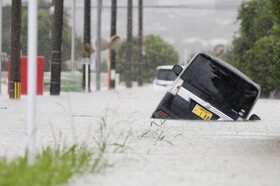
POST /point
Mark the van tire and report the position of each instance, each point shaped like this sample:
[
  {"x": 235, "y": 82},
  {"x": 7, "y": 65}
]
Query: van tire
[{"x": 254, "y": 117}]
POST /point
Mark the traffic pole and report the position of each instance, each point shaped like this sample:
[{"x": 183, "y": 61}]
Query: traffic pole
[
  {"x": 109, "y": 86},
  {"x": 56, "y": 48},
  {"x": 140, "y": 43},
  {"x": 98, "y": 44},
  {"x": 87, "y": 48},
  {"x": 114, "y": 45},
  {"x": 112, "y": 52},
  {"x": 32, "y": 78},
  {"x": 15, "y": 83},
  {"x": 128, "y": 77}
]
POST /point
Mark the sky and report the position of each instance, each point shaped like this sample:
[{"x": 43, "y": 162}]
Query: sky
[{"x": 189, "y": 25}]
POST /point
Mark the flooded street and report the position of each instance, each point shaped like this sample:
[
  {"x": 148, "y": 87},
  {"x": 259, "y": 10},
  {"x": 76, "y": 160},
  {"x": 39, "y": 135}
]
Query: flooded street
[
  {"x": 155, "y": 152},
  {"x": 93, "y": 52}
]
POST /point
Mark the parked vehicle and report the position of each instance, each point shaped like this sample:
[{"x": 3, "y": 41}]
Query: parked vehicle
[
  {"x": 164, "y": 77},
  {"x": 209, "y": 89}
]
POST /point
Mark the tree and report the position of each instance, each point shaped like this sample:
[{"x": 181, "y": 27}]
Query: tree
[
  {"x": 6, "y": 26},
  {"x": 260, "y": 57},
  {"x": 252, "y": 50},
  {"x": 156, "y": 52},
  {"x": 276, "y": 59},
  {"x": 44, "y": 34}
]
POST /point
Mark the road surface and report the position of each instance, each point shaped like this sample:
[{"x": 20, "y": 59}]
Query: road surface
[{"x": 155, "y": 152}]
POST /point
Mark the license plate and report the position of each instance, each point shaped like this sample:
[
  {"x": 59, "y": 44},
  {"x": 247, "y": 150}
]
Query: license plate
[{"x": 202, "y": 112}]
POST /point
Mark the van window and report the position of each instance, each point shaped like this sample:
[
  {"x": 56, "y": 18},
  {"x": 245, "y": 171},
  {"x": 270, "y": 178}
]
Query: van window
[
  {"x": 166, "y": 74},
  {"x": 219, "y": 86}
]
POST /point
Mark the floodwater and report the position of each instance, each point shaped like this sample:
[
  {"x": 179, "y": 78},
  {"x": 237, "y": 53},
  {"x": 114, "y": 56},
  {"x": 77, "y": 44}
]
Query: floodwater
[{"x": 156, "y": 152}]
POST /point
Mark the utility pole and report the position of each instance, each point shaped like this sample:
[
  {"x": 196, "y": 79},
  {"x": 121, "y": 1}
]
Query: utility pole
[
  {"x": 1, "y": 22},
  {"x": 73, "y": 34},
  {"x": 87, "y": 49},
  {"x": 140, "y": 43},
  {"x": 98, "y": 44},
  {"x": 112, "y": 52},
  {"x": 57, "y": 42},
  {"x": 14, "y": 83},
  {"x": 129, "y": 45}
]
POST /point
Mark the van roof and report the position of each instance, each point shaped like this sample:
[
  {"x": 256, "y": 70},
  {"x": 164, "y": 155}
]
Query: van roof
[{"x": 165, "y": 67}]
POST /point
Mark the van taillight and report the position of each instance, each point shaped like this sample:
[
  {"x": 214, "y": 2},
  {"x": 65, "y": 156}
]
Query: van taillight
[{"x": 163, "y": 113}]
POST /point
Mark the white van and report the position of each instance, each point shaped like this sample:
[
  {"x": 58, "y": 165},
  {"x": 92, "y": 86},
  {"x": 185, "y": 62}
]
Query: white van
[{"x": 164, "y": 77}]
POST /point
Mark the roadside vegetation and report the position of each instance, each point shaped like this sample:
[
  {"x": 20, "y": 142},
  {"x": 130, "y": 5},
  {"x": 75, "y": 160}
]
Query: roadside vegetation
[
  {"x": 59, "y": 165},
  {"x": 45, "y": 21},
  {"x": 52, "y": 166},
  {"x": 255, "y": 48},
  {"x": 156, "y": 52},
  {"x": 56, "y": 165}
]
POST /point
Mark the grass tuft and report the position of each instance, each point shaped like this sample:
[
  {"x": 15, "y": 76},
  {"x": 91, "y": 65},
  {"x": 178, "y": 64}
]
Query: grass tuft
[
  {"x": 157, "y": 131},
  {"x": 53, "y": 166},
  {"x": 57, "y": 165}
]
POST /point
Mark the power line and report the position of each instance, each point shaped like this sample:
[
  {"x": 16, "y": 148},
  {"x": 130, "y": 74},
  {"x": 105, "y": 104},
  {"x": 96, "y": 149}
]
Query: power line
[
  {"x": 167, "y": 7},
  {"x": 193, "y": 6}
]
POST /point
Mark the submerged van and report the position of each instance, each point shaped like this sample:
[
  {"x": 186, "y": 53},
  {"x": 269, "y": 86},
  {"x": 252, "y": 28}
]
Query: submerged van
[
  {"x": 209, "y": 89},
  {"x": 164, "y": 77}
]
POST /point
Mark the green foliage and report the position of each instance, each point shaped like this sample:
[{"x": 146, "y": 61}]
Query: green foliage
[
  {"x": 253, "y": 50},
  {"x": 69, "y": 82},
  {"x": 256, "y": 20},
  {"x": 156, "y": 52},
  {"x": 276, "y": 59},
  {"x": 44, "y": 31},
  {"x": 45, "y": 23},
  {"x": 56, "y": 165},
  {"x": 6, "y": 26},
  {"x": 259, "y": 58},
  {"x": 53, "y": 166},
  {"x": 103, "y": 66}
]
